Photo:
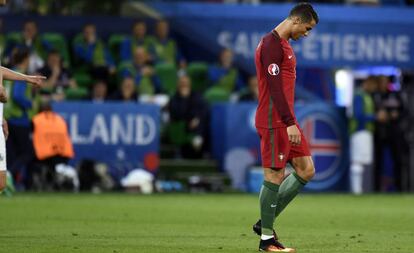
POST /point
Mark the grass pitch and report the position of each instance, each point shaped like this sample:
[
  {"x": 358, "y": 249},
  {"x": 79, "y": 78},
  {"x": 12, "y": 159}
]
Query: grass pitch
[{"x": 202, "y": 223}]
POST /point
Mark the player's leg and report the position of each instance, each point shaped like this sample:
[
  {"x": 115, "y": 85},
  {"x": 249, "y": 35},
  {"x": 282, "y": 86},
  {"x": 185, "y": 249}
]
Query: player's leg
[
  {"x": 268, "y": 204},
  {"x": 3, "y": 171},
  {"x": 293, "y": 184},
  {"x": 268, "y": 199},
  {"x": 3, "y": 180},
  {"x": 300, "y": 158},
  {"x": 273, "y": 176},
  {"x": 273, "y": 168}
]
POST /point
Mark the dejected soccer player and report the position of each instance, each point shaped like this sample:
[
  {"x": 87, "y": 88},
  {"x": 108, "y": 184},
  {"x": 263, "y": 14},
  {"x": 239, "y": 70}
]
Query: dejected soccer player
[{"x": 281, "y": 139}]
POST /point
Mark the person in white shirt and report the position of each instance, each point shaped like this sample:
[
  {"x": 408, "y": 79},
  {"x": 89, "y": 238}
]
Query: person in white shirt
[{"x": 8, "y": 74}]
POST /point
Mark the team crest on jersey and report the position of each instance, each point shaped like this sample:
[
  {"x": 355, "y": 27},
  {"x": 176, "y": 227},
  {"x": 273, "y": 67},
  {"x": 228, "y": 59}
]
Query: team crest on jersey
[{"x": 273, "y": 69}]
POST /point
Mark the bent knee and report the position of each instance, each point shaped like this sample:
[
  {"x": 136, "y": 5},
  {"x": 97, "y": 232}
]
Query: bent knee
[
  {"x": 274, "y": 176},
  {"x": 307, "y": 173}
]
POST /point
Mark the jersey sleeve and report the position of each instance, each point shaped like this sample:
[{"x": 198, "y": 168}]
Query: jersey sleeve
[{"x": 271, "y": 57}]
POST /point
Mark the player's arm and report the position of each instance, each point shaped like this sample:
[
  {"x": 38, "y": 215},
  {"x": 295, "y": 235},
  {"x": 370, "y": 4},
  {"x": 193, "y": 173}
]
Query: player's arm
[
  {"x": 9, "y": 74},
  {"x": 272, "y": 53}
]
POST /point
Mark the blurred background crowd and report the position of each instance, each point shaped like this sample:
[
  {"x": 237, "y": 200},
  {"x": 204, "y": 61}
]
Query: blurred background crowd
[{"x": 150, "y": 65}]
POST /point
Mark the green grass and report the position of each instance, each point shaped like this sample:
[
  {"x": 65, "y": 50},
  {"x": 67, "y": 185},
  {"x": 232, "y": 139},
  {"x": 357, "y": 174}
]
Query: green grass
[{"x": 202, "y": 223}]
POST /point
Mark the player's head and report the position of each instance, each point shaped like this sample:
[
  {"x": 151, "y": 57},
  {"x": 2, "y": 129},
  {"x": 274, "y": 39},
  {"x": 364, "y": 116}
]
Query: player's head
[{"x": 303, "y": 18}]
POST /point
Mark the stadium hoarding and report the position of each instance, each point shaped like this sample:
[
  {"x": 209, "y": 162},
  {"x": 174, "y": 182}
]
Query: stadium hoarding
[
  {"x": 236, "y": 145},
  {"x": 345, "y": 36},
  {"x": 123, "y": 135}
]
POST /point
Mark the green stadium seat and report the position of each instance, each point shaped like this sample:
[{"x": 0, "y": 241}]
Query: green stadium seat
[
  {"x": 76, "y": 93},
  {"x": 58, "y": 43},
  {"x": 13, "y": 37},
  {"x": 77, "y": 38},
  {"x": 216, "y": 94},
  {"x": 167, "y": 74},
  {"x": 124, "y": 65},
  {"x": 46, "y": 90},
  {"x": 114, "y": 45},
  {"x": 198, "y": 72},
  {"x": 83, "y": 79},
  {"x": 177, "y": 133}
]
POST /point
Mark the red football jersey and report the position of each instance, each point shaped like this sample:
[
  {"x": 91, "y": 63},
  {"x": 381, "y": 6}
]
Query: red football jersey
[{"x": 276, "y": 74}]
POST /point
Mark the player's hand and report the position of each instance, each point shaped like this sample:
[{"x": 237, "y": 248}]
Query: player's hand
[
  {"x": 35, "y": 80},
  {"x": 294, "y": 135},
  {"x": 3, "y": 94},
  {"x": 5, "y": 129}
]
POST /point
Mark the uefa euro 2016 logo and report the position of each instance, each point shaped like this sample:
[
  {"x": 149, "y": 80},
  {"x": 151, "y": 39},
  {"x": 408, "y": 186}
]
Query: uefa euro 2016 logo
[{"x": 273, "y": 69}]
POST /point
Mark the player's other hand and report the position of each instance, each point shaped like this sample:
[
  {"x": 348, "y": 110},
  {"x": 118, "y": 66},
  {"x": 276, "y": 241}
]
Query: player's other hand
[
  {"x": 35, "y": 80},
  {"x": 294, "y": 135}
]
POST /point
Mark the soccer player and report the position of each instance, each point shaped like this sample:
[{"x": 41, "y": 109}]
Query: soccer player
[
  {"x": 281, "y": 139},
  {"x": 8, "y": 74}
]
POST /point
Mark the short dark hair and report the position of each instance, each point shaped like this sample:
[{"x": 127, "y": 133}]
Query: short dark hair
[
  {"x": 19, "y": 55},
  {"x": 305, "y": 12}
]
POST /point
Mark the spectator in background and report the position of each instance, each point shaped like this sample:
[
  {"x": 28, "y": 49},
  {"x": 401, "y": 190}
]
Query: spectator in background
[
  {"x": 165, "y": 48},
  {"x": 361, "y": 142},
  {"x": 142, "y": 72},
  {"x": 139, "y": 38},
  {"x": 58, "y": 77},
  {"x": 52, "y": 145},
  {"x": 224, "y": 74},
  {"x": 99, "y": 92},
  {"x": 188, "y": 112},
  {"x": 92, "y": 54},
  {"x": 127, "y": 91},
  {"x": 18, "y": 111},
  {"x": 252, "y": 91},
  {"x": 389, "y": 134},
  {"x": 31, "y": 40}
]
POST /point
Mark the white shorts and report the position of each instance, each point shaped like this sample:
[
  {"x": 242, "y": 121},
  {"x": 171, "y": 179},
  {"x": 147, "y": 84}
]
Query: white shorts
[{"x": 3, "y": 164}]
